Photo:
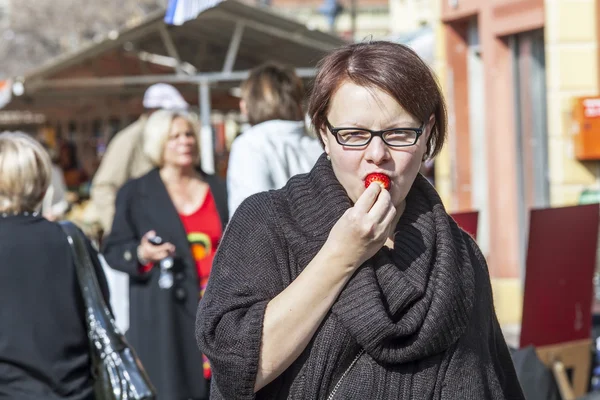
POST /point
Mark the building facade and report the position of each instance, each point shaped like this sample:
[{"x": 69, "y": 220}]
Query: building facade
[
  {"x": 511, "y": 71},
  {"x": 357, "y": 19},
  {"x": 410, "y": 15}
]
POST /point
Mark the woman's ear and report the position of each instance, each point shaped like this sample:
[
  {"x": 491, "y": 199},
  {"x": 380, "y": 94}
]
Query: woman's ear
[
  {"x": 243, "y": 108},
  {"x": 324, "y": 139},
  {"x": 427, "y": 134},
  {"x": 429, "y": 126}
]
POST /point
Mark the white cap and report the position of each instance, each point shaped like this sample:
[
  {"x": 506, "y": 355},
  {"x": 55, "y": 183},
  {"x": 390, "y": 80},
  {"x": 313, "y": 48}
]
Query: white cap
[{"x": 165, "y": 96}]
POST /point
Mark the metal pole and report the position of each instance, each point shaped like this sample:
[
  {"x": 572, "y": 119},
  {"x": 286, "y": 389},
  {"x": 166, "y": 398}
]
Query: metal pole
[
  {"x": 207, "y": 147},
  {"x": 234, "y": 46},
  {"x": 119, "y": 81},
  {"x": 170, "y": 47}
]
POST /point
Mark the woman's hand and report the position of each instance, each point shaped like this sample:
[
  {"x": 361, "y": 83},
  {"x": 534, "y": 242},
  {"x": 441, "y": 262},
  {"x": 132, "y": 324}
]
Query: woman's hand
[
  {"x": 150, "y": 253},
  {"x": 364, "y": 228},
  {"x": 293, "y": 316}
]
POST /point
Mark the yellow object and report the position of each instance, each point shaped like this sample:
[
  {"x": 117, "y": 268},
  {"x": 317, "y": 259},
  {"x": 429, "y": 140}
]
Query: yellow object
[{"x": 508, "y": 300}]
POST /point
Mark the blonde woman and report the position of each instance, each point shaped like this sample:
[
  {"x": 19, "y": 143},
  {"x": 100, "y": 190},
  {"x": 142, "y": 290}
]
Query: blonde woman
[
  {"x": 186, "y": 209},
  {"x": 44, "y": 349}
]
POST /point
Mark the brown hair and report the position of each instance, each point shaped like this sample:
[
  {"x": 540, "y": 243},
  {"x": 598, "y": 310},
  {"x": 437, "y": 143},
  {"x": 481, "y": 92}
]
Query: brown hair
[
  {"x": 273, "y": 91},
  {"x": 391, "y": 67}
]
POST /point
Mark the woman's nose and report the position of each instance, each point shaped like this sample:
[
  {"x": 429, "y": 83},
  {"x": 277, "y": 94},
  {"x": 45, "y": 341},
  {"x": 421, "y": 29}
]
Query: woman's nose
[
  {"x": 186, "y": 139},
  {"x": 377, "y": 151}
]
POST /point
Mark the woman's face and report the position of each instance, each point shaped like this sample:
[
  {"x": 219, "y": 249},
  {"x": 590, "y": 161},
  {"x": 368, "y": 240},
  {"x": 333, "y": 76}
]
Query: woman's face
[
  {"x": 181, "y": 149},
  {"x": 371, "y": 108}
]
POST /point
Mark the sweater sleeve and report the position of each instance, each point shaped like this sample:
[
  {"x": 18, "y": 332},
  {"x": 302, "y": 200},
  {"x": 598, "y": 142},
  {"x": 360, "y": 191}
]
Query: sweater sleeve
[
  {"x": 120, "y": 246},
  {"x": 246, "y": 275}
]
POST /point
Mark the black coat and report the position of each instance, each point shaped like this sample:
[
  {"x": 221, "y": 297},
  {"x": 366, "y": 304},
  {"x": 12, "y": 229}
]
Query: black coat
[
  {"x": 161, "y": 327},
  {"x": 44, "y": 348}
]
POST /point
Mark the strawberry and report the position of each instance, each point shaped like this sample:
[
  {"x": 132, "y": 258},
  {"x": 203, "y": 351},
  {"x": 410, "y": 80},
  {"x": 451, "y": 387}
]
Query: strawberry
[{"x": 381, "y": 179}]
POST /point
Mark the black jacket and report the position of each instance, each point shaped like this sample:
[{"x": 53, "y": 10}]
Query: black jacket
[
  {"x": 161, "y": 327},
  {"x": 44, "y": 349}
]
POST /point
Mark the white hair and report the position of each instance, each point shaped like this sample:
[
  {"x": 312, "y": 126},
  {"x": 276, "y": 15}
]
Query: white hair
[
  {"x": 156, "y": 133},
  {"x": 25, "y": 172}
]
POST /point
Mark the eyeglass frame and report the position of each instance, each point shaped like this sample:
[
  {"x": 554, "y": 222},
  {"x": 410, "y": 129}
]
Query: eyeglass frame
[{"x": 334, "y": 131}]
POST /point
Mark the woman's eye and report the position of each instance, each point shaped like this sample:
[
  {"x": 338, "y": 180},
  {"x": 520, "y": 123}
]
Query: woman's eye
[{"x": 354, "y": 133}]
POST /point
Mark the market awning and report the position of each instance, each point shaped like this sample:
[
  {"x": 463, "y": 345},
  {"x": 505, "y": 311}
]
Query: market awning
[
  {"x": 220, "y": 45},
  {"x": 204, "y": 57}
]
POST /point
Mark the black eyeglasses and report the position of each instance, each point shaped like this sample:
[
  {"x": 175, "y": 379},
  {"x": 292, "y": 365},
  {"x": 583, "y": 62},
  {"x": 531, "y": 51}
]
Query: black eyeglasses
[{"x": 359, "y": 137}]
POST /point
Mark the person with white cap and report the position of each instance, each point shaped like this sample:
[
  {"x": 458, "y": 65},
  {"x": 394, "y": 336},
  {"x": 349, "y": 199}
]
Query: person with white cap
[{"x": 123, "y": 160}]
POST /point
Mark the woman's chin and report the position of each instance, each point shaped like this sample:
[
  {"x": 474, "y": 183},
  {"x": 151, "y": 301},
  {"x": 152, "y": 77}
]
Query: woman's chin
[
  {"x": 184, "y": 163},
  {"x": 187, "y": 160}
]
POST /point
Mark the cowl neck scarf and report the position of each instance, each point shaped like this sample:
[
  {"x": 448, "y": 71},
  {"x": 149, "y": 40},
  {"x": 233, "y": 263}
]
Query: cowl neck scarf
[{"x": 405, "y": 303}]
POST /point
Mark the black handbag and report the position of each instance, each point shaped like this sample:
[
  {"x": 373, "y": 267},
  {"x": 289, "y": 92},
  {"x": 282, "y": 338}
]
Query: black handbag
[{"x": 117, "y": 371}]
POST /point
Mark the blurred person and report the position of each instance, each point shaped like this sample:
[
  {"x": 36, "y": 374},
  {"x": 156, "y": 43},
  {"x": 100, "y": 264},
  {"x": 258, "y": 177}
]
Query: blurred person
[
  {"x": 352, "y": 281},
  {"x": 123, "y": 160},
  {"x": 187, "y": 209},
  {"x": 55, "y": 204},
  {"x": 44, "y": 346},
  {"x": 277, "y": 146},
  {"x": 74, "y": 175}
]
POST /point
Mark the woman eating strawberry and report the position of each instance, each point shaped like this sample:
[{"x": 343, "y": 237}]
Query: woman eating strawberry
[{"x": 326, "y": 289}]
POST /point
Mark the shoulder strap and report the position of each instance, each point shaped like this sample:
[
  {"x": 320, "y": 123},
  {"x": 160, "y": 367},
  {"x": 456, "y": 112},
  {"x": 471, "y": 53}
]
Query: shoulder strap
[{"x": 88, "y": 281}]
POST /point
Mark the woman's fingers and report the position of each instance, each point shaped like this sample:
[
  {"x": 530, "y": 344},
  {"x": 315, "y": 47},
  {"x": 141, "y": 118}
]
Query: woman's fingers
[
  {"x": 162, "y": 255},
  {"x": 165, "y": 248},
  {"x": 148, "y": 235},
  {"x": 382, "y": 206},
  {"x": 388, "y": 219},
  {"x": 368, "y": 198},
  {"x": 156, "y": 253}
]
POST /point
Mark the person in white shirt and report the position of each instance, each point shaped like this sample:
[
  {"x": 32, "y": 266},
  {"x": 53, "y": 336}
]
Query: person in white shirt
[
  {"x": 277, "y": 146},
  {"x": 55, "y": 204}
]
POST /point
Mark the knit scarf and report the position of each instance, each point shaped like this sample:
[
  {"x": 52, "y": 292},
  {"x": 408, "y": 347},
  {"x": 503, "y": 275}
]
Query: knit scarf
[{"x": 403, "y": 304}]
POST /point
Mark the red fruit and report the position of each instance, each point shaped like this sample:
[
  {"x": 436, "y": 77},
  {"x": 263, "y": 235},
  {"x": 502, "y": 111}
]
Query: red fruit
[{"x": 381, "y": 179}]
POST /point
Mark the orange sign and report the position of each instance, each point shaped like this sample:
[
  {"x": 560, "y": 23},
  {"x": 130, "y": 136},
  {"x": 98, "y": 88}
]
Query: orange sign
[
  {"x": 586, "y": 124},
  {"x": 5, "y": 92}
]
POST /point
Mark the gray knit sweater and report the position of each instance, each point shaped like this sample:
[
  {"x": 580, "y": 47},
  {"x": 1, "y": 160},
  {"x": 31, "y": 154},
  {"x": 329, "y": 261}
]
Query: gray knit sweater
[{"x": 423, "y": 312}]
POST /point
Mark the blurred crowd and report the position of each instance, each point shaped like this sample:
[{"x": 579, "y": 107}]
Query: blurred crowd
[{"x": 149, "y": 202}]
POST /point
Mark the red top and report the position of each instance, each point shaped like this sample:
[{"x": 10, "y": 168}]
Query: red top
[{"x": 204, "y": 231}]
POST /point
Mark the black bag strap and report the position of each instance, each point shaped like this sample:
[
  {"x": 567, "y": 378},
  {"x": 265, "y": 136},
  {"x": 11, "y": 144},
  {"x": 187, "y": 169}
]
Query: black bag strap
[{"x": 88, "y": 281}]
